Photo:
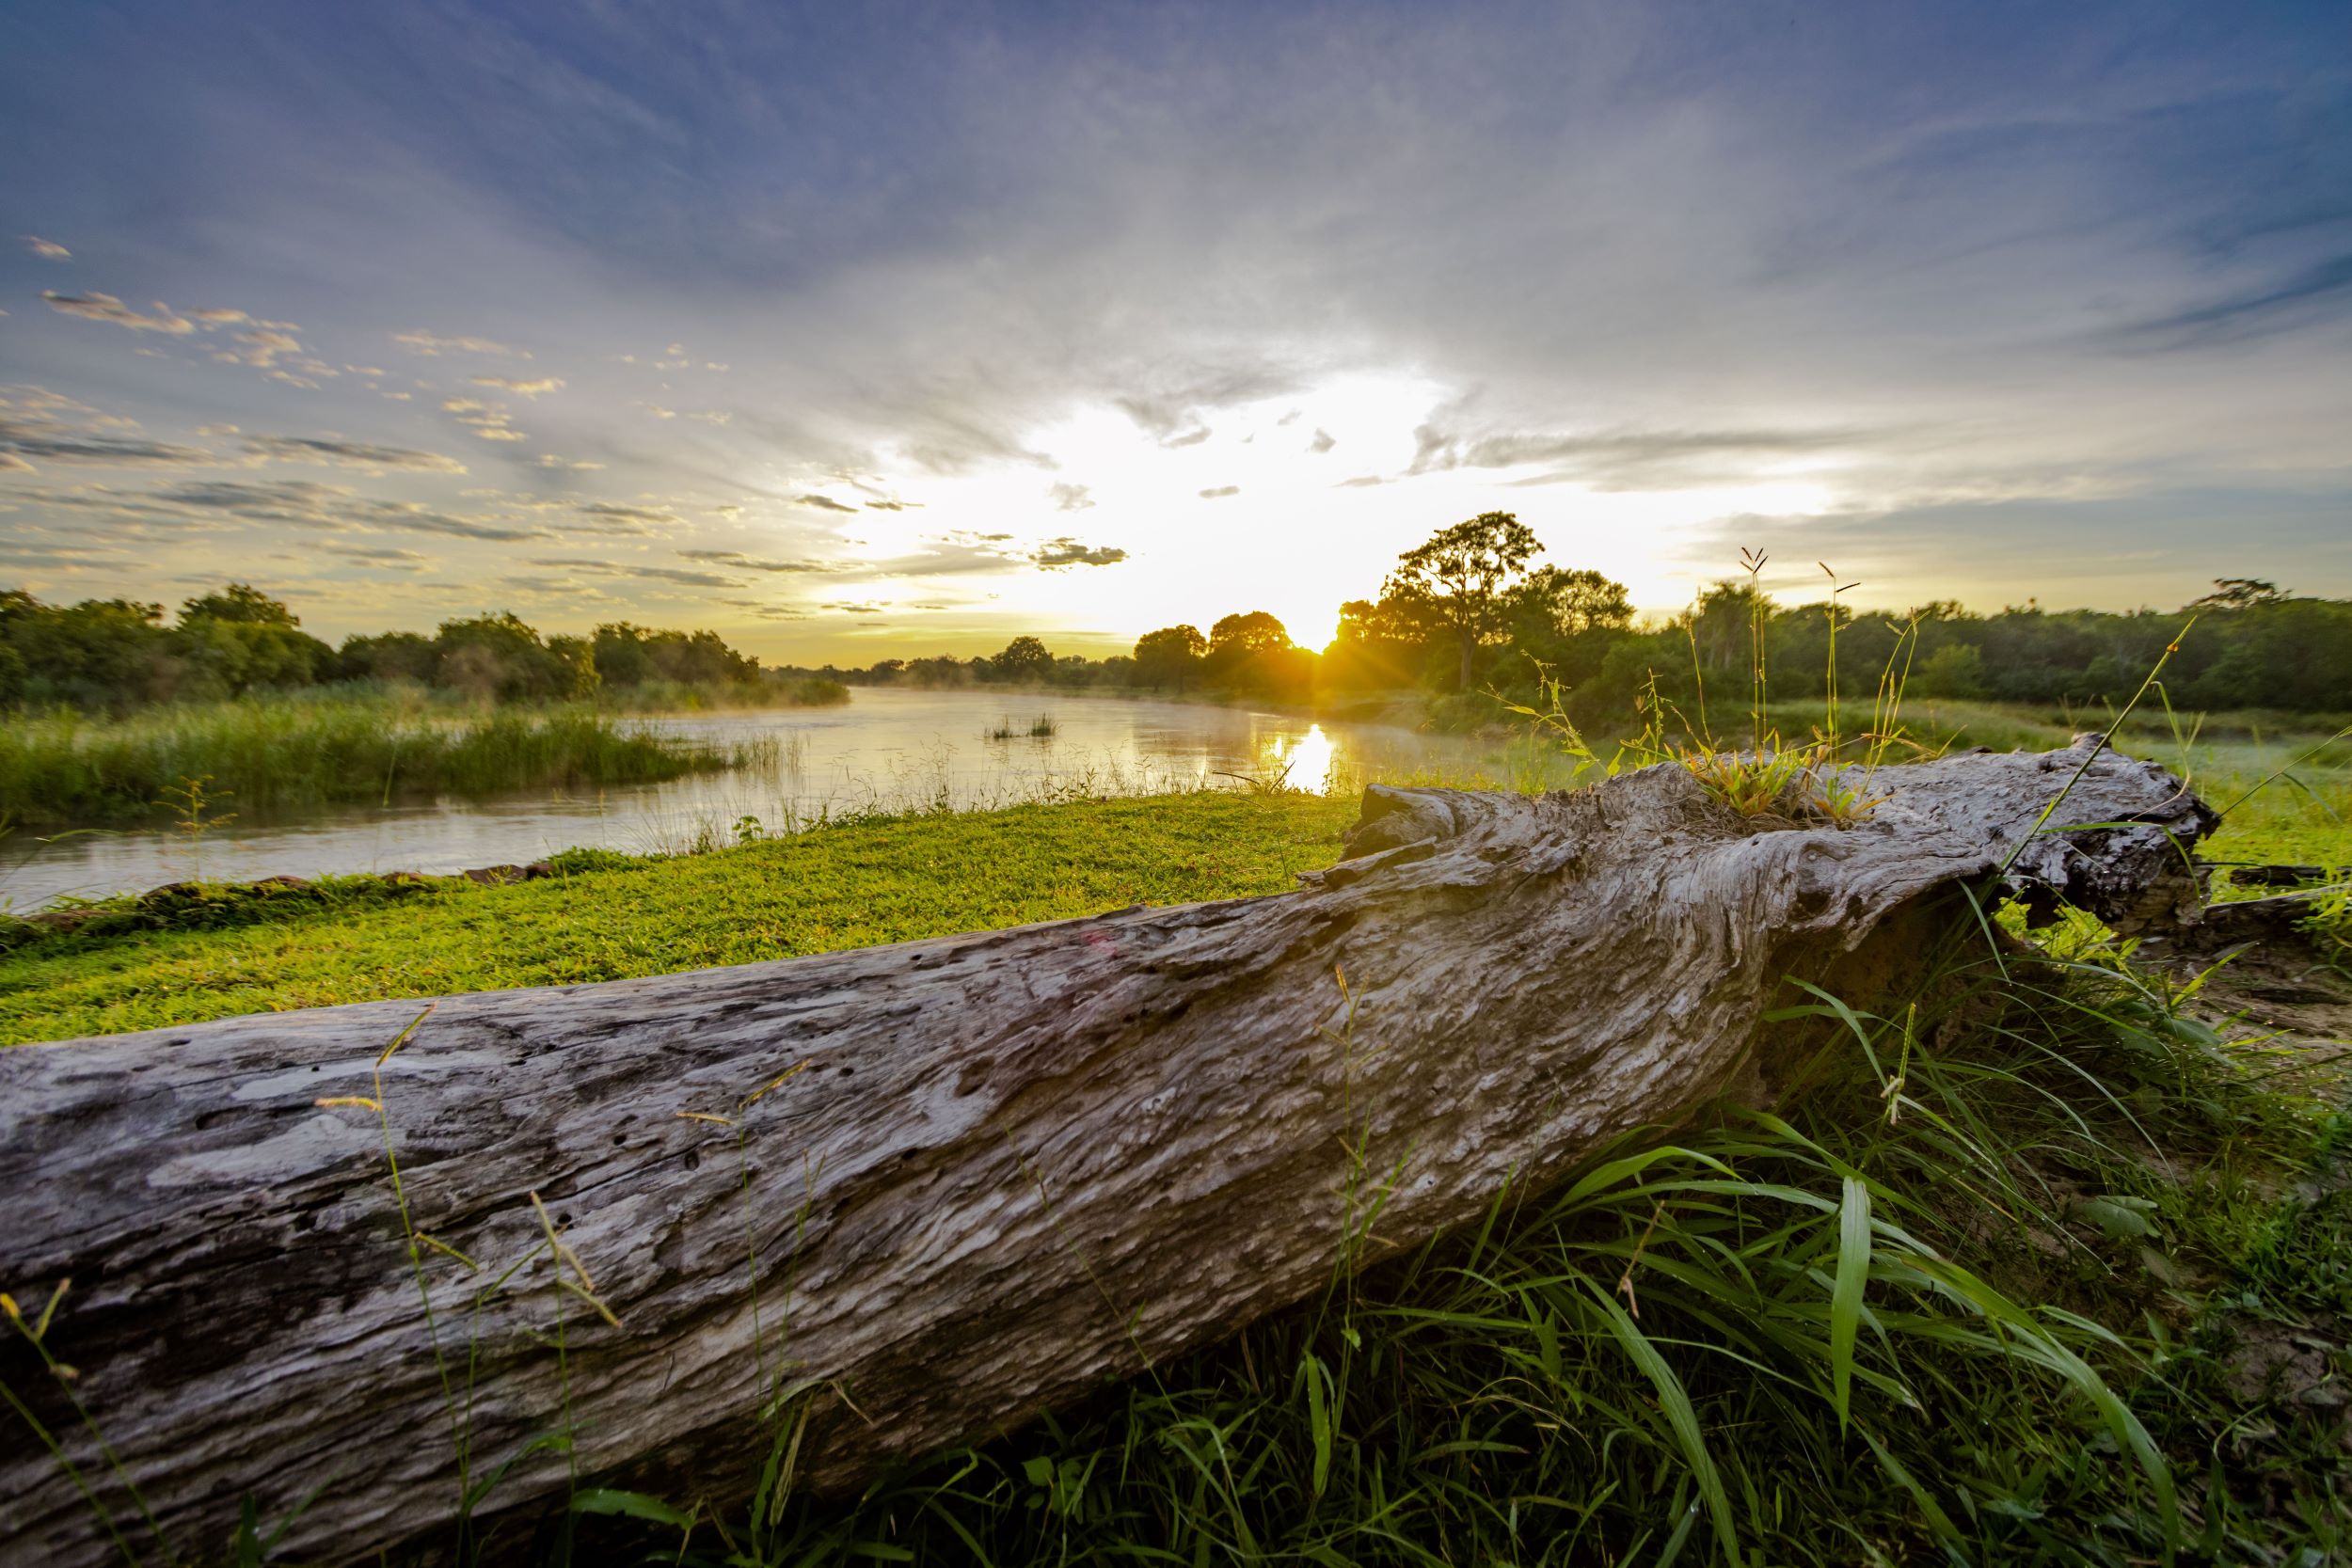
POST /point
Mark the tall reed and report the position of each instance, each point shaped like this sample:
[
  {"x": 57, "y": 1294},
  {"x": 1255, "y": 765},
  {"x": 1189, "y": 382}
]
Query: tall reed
[{"x": 270, "y": 755}]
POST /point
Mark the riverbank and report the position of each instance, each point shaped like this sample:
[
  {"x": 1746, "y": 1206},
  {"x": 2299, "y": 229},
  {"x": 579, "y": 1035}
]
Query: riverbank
[{"x": 610, "y": 916}]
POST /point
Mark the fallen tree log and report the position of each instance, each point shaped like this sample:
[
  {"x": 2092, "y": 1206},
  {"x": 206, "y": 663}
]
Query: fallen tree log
[{"x": 886, "y": 1200}]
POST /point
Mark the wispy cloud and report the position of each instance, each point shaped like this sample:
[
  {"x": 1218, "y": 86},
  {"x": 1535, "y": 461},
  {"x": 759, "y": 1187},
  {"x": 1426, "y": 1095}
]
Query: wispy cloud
[
  {"x": 641, "y": 571},
  {"x": 520, "y": 389},
  {"x": 350, "y": 454},
  {"x": 2292, "y": 301},
  {"x": 48, "y": 250},
  {"x": 754, "y": 563},
  {"x": 1057, "y": 553},
  {"x": 106, "y": 308},
  {"x": 36, "y": 422},
  {"x": 433, "y": 345},
  {"x": 490, "y": 420}
]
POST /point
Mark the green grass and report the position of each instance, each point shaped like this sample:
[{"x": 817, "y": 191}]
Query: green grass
[
  {"x": 270, "y": 755},
  {"x": 2030, "y": 1272},
  {"x": 831, "y": 888},
  {"x": 1998, "y": 1313}
]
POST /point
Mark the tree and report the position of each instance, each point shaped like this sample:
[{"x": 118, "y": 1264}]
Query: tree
[
  {"x": 1560, "y": 603},
  {"x": 1024, "y": 658},
  {"x": 1253, "y": 652},
  {"x": 1171, "y": 653},
  {"x": 242, "y": 638},
  {"x": 1463, "y": 572},
  {"x": 239, "y": 604},
  {"x": 2241, "y": 593},
  {"x": 1256, "y": 632},
  {"x": 501, "y": 657}
]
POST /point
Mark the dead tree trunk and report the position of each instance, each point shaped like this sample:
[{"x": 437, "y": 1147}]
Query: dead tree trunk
[{"x": 997, "y": 1168}]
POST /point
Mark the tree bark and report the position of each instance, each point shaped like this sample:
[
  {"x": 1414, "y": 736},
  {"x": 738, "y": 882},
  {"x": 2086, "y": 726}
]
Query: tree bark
[{"x": 979, "y": 1174}]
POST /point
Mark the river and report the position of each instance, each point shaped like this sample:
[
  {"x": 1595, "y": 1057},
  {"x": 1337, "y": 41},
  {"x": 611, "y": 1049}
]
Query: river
[{"x": 886, "y": 750}]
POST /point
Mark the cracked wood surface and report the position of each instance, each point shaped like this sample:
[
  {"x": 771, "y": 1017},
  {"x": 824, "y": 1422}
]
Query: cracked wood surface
[{"x": 1011, "y": 1163}]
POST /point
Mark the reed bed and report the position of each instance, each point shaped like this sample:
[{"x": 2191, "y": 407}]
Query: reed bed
[{"x": 264, "y": 756}]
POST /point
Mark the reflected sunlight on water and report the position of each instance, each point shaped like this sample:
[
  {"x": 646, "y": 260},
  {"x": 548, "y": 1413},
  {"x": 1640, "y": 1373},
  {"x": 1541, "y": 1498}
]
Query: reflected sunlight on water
[{"x": 1304, "y": 762}]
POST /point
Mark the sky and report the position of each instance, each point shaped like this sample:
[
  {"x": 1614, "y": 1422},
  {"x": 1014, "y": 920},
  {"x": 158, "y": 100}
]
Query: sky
[{"x": 875, "y": 330}]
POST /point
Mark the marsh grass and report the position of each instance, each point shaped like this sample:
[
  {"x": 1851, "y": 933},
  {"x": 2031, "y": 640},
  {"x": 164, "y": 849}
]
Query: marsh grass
[
  {"x": 1042, "y": 727},
  {"x": 280, "y": 755}
]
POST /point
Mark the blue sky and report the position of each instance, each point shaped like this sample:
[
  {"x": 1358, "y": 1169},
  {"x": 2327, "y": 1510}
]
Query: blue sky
[{"x": 866, "y": 330}]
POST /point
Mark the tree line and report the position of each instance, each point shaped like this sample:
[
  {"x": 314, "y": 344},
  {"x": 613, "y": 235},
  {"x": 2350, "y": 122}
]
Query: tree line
[
  {"x": 1469, "y": 615},
  {"x": 1466, "y": 617},
  {"x": 117, "y": 653}
]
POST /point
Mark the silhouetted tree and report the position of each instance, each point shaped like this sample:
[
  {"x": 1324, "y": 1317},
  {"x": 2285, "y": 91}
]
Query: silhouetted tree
[
  {"x": 1169, "y": 655},
  {"x": 1024, "y": 658},
  {"x": 2241, "y": 593},
  {"x": 1463, "y": 571}
]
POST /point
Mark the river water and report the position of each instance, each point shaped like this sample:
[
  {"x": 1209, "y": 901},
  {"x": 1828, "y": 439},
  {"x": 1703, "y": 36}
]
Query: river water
[{"x": 886, "y": 750}]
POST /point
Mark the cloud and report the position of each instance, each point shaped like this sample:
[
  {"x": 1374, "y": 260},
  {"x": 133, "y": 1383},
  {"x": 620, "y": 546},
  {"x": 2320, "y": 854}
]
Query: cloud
[
  {"x": 36, "y": 422},
  {"x": 752, "y": 563},
  {"x": 48, "y": 250},
  {"x": 763, "y": 610},
  {"x": 1057, "y": 553},
  {"x": 106, "y": 308},
  {"x": 433, "y": 345},
  {"x": 352, "y": 454},
  {"x": 1623, "y": 459},
  {"x": 613, "y": 517},
  {"x": 520, "y": 389},
  {"x": 852, "y": 606},
  {"x": 1070, "y": 497},
  {"x": 265, "y": 344},
  {"x": 548, "y": 460},
  {"x": 490, "y": 420},
  {"x": 389, "y": 560},
  {"x": 307, "y": 504},
  {"x": 31, "y": 557},
  {"x": 949, "y": 554},
  {"x": 1361, "y": 482},
  {"x": 1171, "y": 410},
  {"x": 1218, "y": 492},
  {"x": 1323, "y": 441},
  {"x": 2251, "y": 312},
  {"x": 632, "y": 569},
  {"x": 823, "y": 503},
  {"x": 658, "y": 411}
]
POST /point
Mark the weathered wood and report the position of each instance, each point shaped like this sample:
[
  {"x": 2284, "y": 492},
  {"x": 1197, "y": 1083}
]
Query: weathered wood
[{"x": 1011, "y": 1164}]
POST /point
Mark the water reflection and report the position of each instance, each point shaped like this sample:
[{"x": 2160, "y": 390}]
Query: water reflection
[
  {"x": 888, "y": 751},
  {"x": 1305, "y": 763}
]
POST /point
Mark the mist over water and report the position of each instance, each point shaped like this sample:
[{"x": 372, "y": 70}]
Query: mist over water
[{"x": 888, "y": 751}]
